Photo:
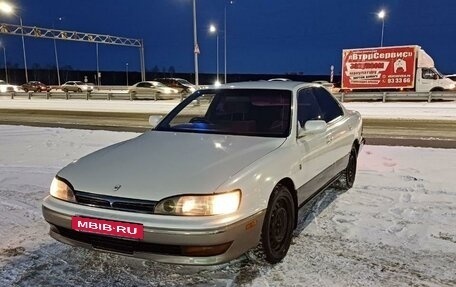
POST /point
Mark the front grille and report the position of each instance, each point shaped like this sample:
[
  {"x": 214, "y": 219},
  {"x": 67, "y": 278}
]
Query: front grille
[
  {"x": 113, "y": 202},
  {"x": 119, "y": 245}
]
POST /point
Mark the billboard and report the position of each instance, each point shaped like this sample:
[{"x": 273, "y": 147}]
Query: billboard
[{"x": 379, "y": 68}]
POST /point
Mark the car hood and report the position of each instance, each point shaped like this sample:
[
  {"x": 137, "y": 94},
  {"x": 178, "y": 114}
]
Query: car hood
[{"x": 158, "y": 164}]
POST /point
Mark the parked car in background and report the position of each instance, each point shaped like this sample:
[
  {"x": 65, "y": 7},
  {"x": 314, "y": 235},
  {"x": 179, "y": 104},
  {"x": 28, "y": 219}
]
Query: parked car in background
[
  {"x": 5, "y": 87},
  {"x": 212, "y": 180},
  {"x": 76, "y": 86},
  {"x": 35, "y": 86},
  {"x": 182, "y": 85},
  {"x": 152, "y": 89}
]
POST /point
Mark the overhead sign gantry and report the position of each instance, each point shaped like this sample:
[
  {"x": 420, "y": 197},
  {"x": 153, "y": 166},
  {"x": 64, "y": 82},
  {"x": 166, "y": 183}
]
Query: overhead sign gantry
[{"x": 55, "y": 34}]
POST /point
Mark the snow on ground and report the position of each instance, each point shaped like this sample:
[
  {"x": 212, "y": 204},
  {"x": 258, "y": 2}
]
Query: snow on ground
[
  {"x": 395, "y": 227},
  {"x": 393, "y": 110}
]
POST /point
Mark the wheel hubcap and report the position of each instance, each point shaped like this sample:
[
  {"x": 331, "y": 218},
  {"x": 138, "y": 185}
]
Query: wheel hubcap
[{"x": 279, "y": 225}]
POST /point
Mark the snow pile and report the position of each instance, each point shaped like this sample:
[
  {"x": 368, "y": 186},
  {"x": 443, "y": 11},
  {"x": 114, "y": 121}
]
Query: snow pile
[{"x": 397, "y": 226}]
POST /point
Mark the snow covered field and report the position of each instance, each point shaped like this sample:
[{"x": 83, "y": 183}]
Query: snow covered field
[{"x": 395, "y": 227}]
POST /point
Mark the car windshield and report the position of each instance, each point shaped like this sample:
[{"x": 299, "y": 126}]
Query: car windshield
[
  {"x": 250, "y": 112},
  {"x": 79, "y": 83}
]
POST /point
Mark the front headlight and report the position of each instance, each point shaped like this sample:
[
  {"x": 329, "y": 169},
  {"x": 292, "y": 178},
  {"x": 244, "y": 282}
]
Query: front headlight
[
  {"x": 197, "y": 205},
  {"x": 59, "y": 189}
]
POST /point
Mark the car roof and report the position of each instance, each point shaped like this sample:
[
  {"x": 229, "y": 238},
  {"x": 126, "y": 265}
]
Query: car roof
[{"x": 277, "y": 85}]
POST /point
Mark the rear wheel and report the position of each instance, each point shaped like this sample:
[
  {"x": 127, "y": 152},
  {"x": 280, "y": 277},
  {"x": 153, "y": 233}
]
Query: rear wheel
[
  {"x": 79, "y": 90},
  {"x": 65, "y": 90},
  {"x": 278, "y": 225}
]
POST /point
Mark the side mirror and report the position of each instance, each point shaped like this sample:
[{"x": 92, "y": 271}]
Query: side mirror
[
  {"x": 154, "y": 120},
  {"x": 313, "y": 127}
]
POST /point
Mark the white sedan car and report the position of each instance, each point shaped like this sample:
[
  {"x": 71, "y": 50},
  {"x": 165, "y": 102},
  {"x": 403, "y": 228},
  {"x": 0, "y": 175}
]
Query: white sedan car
[
  {"x": 76, "y": 86},
  {"x": 5, "y": 87},
  {"x": 152, "y": 89},
  {"x": 228, "y": 168}
]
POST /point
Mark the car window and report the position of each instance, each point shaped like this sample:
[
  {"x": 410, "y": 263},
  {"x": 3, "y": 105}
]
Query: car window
[
  {"x": 329, "y": 106},
  {"x": 308, "y": 107},
  {"x": 428, "y": 74},
  {"x": 143, "y": 85},
  {"x": 251, "y": 112}
]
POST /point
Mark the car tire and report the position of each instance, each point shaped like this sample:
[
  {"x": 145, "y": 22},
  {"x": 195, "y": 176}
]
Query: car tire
[
  {"x": 26, "y": 90},
  {"x": 278, "y": 225},
  {"x": 79, "y": 90},
  {"x": 347, "y": 178},
  {"x": 65, "y": 90}
]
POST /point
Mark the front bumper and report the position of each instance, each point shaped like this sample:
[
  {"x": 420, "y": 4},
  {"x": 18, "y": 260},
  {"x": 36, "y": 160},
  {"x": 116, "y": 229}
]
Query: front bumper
[{"x": 162, "y": 244}]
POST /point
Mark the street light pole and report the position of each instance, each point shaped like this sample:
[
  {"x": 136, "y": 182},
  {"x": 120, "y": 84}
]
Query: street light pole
[
  {"x": 224, "y": 48},
  {"x": 98, "y": 69},
  {"x": 126, "y": 72},
  {"x": 9, "y": 9},
  {"x": 195, "y": 42},
  {"x": 23, "y": 49},
  {"x": 224, "y": 38},
  {"x": 213, "y": 29},
  {"x": 218, "y": 80},
  {"x": 382, "y": 15},
  {"x": 56, "y": 56},
  {"x": 6, "y": 68}
]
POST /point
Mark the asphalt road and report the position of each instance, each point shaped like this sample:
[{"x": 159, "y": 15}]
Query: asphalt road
[{"x": 421, "y": 133}]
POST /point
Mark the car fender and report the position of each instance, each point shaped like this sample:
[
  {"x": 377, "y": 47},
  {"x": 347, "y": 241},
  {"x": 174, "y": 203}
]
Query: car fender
[{"x": 258, "y": 180}]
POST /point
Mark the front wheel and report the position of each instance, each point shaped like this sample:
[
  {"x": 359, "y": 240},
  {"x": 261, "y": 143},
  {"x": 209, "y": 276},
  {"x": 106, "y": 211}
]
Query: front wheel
[
  {"x": 348, "y": 175},
  {"x": 278, "y": 225}
]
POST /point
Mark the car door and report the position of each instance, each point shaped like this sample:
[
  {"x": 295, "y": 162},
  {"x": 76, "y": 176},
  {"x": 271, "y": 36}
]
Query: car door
[
  {"x": 339, "y": 139},
  {"x": 70, "y": 86},
  {"x": 146, "y": 88},
  {"x": 427, "y": 81},
  {"x": 313, "y": 148}
]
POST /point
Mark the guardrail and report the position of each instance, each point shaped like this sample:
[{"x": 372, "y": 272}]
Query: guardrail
[
  {"x": 396, "y": 96},
  {"x": 95, "y": 95},
  {"x": 103, "y": 88},
  {"x": 109, "y": 94}
]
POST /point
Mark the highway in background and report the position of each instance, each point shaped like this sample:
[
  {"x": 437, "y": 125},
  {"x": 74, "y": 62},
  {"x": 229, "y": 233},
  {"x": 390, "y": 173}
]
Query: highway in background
[{"x": 403, "y": 132}]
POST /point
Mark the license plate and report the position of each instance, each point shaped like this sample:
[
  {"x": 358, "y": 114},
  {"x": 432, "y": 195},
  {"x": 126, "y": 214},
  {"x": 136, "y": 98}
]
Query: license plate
[{"x": 108, "y": 227}]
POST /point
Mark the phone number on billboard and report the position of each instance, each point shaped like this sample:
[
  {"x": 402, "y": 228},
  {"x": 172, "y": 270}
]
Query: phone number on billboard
[{"x": 399, "y": 80}]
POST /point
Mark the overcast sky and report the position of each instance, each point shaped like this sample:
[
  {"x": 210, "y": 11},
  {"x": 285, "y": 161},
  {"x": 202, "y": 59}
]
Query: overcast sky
[{"x": 263, "y": 36}]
